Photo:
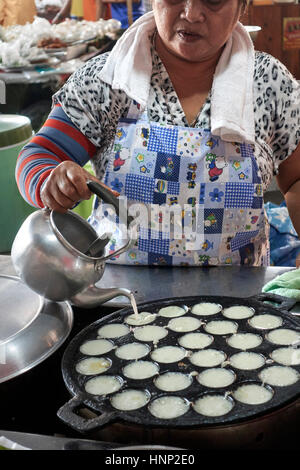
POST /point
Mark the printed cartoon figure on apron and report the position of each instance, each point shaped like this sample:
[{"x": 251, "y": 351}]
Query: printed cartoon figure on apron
[{"x": 215, "y": 166}]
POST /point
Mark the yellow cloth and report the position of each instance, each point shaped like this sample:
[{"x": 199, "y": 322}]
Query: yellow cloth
[
  {"x": 77, "y": 8},
  {"x": 17, "y": 12}
]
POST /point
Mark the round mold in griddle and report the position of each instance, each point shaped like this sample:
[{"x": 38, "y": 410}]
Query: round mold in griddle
[
  {"x": 287, "y": 356},
  {"x": 195, "y": 340},
  {"x": 247, "y": 360},
  {"x": 143, "y": 318},
  {"x": 130, "y": 399},
  {"x": 131, "y": 351},
  {"x": 213, "y": 404},
  {"x": 265, "y": 322},
  {"x": 140, "y": 370},
  {"x": 96, "y": 347},
  {"x": 221, "y": 327},
  {"x": 240, "y": 412},
  {"x": 253, "y": 393},
  {"x": 238, "y": 312},
  {"x": 113, "y": 331},
  {"x": 208, "y": 358},
  {"x": 184, "y": 324},
  {"x": 173, "y": 311},
  {"x": 93, "y": 365},
  {"x": 216, "y": 377},
  {"x": 165, "y": 382},
  {"x": 283, "y": 337},
  {"x": 205, "y": 309},
  {"x": 279, "y": 376},
  {"x": 168, "y": 354},
  {"x": 244, "y": 341},
  {"x": 171, "y": 406}
]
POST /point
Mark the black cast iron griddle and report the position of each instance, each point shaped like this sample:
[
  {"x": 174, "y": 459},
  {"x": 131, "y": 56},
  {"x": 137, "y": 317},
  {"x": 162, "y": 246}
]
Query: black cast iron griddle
[{"x": 240, "y": 412}]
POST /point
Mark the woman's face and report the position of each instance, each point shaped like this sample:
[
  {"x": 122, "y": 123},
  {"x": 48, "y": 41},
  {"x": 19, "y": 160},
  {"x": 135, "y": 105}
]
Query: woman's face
[{"x": 195, "y": 30}]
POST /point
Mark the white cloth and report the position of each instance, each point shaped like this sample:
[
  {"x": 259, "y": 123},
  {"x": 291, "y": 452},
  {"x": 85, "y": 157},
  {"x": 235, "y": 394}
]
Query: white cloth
[
  {"x": 232, "y": 114},
  {"x": 129, "y": 66}
]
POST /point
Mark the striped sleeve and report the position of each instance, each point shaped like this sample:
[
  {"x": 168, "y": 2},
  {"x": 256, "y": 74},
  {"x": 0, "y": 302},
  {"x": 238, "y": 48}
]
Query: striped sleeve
[{"x": 57, "y": 141}]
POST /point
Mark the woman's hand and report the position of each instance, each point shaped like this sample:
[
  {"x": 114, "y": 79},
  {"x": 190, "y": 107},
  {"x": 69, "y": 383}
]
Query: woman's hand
[{"x": 66, "y": 185}]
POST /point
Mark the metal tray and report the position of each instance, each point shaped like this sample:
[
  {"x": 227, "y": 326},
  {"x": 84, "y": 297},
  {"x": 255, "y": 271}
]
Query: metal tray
[
  {"x": 31, "y": 328},
  {"x": 75, "y": 382}
]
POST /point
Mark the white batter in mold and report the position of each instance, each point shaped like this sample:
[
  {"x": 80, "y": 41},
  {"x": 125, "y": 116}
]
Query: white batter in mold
[
  {"x": 195, "y": 340},
  {"x": 113, "y": 330},
  {"x": 253, "y": 394},
  {"x": 130, "y": 399},
  {"x": 221, "y": 327},
  {"x": 238, "y": 312},
  {"x": 216, "y": 377},
  {"x": 149, "y": 333},
  {"x": 172, "y": 311},
  {"x": 208, "y": 358},
  {"x": 184, "y": 324},
  {"x": 286, "y": 356},
  {"x": 96, "y": 347},
  {"x": 168, "y": 354},
  {"x": 265, "y": 321},
  {"x": 93, "y": 366},
  {"x": 213, "y": 405},
  {"x": 139, "y": 370},
  {"x": 143, "y": 318},
  {"x": 173, "y": 381},
  {"x": 244, "y": 341},
  {"x": 206, "y": 309},
  {"x": 280, "y": 376},
  {"x": 103, "y": 385},
  {"x": 169, "y": 407},
  {"x": 132, "y": 351},
  {"x": 247, "y": 360},
  {"x": 284, "y": 337}
]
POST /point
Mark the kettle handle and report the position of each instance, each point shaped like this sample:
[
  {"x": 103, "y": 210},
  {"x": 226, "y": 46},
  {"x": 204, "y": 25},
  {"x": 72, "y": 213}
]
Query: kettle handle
[{"x": 107, "y": 196}]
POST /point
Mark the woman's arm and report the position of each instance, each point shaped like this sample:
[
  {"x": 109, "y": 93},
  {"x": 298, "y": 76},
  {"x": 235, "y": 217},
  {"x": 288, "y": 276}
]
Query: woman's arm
[
  {"x": 49, "y": 168},
  {"x": 288, "y": 181}
]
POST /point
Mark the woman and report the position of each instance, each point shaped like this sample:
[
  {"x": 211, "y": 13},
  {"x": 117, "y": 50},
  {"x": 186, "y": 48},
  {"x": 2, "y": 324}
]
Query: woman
[{"x": 188, "y": 123}]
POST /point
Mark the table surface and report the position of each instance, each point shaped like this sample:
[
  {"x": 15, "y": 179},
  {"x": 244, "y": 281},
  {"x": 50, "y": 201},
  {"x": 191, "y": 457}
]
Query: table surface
[{"x": 153, "y": 283}]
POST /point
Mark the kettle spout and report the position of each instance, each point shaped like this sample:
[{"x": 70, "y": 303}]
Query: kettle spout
[{"x": 94, "y": 296}]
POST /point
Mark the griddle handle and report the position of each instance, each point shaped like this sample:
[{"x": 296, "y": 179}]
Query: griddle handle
[
  {"x": 67, "y": 413},
  {"x": 285, "y": 303}
]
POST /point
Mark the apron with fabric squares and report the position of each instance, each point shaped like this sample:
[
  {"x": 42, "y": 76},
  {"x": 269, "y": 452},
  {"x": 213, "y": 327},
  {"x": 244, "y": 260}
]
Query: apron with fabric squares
[{"x": 197, "y": 199}]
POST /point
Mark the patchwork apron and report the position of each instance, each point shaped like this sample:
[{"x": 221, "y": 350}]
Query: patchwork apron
[{"x": 197, "y": 199}]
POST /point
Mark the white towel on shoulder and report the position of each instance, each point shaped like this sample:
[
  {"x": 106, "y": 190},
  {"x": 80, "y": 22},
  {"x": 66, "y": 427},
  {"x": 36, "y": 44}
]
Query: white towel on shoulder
[
  {"x": 129, "y": 68},
  {"x": 129, "y": 65},
  {"x": 232, "y": 113}
]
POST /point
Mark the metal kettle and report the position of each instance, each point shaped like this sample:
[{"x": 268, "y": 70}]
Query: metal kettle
[{"x": 52, "y": 255}]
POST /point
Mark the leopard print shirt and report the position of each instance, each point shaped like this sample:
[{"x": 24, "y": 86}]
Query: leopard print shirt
[{"x": 95, "y": 108}]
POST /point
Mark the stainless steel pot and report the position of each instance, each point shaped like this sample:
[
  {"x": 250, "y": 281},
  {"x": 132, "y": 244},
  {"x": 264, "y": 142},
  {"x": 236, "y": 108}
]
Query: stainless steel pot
[{"x": 51, "y": 254}]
